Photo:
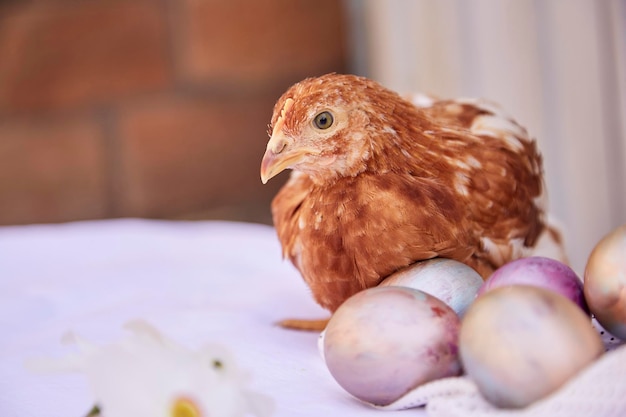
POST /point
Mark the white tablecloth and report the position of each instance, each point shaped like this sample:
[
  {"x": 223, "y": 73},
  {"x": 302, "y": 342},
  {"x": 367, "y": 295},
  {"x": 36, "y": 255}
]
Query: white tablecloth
[{"x": 197, "y": 282}]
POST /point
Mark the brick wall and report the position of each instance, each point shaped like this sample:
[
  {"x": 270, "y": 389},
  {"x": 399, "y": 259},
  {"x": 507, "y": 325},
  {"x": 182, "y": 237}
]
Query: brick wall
[{"x": 151, "y": 108}]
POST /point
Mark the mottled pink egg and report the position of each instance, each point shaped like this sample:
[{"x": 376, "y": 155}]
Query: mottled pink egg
[
  {"x": 540, "y": 272},
  {"x": 383, "y": 342},
  {"x": 520, "y": 343},
  {"x": 605, "y": 282}
]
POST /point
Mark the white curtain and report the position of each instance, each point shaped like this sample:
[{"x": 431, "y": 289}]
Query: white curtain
[{"x": 558, "y": 66}]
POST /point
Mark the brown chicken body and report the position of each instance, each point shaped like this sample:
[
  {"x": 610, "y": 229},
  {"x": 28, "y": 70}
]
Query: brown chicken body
[{"x": 380, "y": 182}]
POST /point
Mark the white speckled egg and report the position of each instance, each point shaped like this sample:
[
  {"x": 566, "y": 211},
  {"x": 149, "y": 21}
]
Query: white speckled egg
[
  {"x": 385, "y": 341},
  {"x": 520, "y": 343},
  {"x": 605, "y": 282},
  {"x": 454, "y": 283}
]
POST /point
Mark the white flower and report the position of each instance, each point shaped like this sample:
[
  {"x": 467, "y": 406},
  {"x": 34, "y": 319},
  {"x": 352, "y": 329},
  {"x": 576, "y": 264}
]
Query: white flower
[{"x": 149, "y": 375}]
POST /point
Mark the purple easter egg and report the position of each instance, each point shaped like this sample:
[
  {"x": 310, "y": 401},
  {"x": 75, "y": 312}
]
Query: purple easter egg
[{"x": 540, "y": 272}]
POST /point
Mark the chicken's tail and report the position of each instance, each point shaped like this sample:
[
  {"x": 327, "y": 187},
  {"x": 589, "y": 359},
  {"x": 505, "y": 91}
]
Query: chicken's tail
[{"x": 550, "y": 243}]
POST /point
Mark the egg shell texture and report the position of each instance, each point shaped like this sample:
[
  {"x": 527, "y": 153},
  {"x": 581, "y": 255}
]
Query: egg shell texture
[
  {"x": 605, "y": 282},
  {"x": 520, "y": 343},
  {"x": 385, "y": 341},
  {"x": 454, "y": 283},
  {"x": 541, "y": 272}
]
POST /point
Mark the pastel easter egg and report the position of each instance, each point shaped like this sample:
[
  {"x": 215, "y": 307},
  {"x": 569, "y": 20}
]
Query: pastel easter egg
[
  {"x": 605, "y": 282},
  {"x": 541, "y": 272},
  {"x": 520, "y": 343},
  {"x": 453, "y": 282},
  {"x": 383, "y": 342}
]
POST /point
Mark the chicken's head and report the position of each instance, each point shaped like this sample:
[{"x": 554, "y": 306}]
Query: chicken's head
[{"x": 323, "y": 127}]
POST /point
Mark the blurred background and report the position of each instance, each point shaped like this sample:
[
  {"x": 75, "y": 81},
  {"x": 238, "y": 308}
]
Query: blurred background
[{"x": 159, "y": 108}]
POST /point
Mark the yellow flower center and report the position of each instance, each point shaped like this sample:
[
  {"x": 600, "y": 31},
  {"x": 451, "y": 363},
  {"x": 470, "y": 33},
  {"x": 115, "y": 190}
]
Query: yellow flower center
[{"x": 184, "y": 407}]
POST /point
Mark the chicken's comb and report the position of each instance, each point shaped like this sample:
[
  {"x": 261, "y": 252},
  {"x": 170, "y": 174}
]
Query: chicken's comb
[{"x": 281, "y": 119}]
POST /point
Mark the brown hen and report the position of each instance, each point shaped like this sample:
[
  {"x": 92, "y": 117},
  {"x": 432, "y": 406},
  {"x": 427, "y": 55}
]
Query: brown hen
[{"x": 380, "y": 182}]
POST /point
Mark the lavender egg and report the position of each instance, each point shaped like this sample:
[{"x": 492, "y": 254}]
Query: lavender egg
[
  {"x": 540, "y": 272},
  {"x": 605, "y": 282},
  {"x": 521, "y": 343},
  {"x": 453, "y": 282},
  {"x": 384, "y": 341}
]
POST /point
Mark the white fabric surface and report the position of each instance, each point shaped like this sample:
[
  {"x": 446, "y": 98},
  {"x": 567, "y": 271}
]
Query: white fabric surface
[
  {"x": 202, "y": 282},
  {"x": 197, "y": 282}
]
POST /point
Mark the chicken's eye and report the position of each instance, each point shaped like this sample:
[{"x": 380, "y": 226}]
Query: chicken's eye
[{"x": 324, "y": 120}]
